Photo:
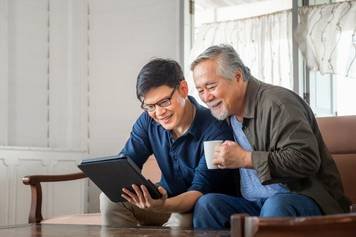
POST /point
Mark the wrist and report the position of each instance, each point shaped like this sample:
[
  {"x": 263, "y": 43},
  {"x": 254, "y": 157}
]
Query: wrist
[
  {"x": 248, "y": 159},
  {"x": 160, "y": 207}
]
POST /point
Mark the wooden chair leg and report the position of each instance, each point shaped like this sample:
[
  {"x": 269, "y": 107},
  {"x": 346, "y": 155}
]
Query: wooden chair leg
[{"x": 36, "y": 204}]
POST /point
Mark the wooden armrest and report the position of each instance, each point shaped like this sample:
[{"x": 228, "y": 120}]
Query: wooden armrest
[
  {"x": 328, "y": 225},
  {"x": 353, "y": 208},
  {"x": 34, "y": 181},
  {"x": 238, "y": 225}
]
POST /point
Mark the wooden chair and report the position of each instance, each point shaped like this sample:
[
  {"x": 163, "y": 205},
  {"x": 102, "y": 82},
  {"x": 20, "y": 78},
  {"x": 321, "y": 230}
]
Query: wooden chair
[
  {"x": 35, "y": 215},
  {"x": 150, "y": 170},
  {"x": 342, "y": 225}
]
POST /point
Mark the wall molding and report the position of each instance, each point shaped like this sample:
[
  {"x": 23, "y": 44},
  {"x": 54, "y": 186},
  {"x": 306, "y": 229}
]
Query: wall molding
[{"x": 16, "y": 198}]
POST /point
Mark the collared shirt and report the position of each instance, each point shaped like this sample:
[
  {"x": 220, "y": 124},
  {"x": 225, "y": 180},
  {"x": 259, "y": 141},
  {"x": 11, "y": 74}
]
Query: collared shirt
[
  {"x": 288, "y": 147},
  {"x": 182, "y": 161},
  {"x": 251, "y": 187}
]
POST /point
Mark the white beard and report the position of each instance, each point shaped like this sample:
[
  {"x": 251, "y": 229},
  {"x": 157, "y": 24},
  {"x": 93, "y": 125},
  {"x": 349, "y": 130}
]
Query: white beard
[{"x": 220, "y": 113}]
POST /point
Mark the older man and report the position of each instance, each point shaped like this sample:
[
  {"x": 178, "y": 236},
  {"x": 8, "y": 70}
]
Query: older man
[{"x": 285, "y": 168}]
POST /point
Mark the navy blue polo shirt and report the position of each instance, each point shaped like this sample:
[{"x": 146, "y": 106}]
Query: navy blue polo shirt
[{"x": 182, "y": 161}]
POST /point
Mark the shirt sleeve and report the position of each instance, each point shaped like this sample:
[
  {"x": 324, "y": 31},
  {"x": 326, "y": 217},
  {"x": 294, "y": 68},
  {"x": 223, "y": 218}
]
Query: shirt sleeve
[
  {"x": 215, "y": 180},
  {"x": 138, "y": 146},
  {"x": 294, "y": 149}
]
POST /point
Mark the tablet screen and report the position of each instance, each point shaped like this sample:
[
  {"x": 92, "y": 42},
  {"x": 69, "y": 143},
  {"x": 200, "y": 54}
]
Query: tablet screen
[{"x": 112, "y": 174}]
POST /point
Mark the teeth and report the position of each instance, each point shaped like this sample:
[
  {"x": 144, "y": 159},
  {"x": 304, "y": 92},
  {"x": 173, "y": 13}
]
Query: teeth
[
  {"x": 214, "y": 105},
  {"x": 166, "y": 117}
]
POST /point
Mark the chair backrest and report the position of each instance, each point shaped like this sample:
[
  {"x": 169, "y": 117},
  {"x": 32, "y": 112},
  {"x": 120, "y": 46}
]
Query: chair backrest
[
  {"x": 327, "y": 226},
  {"x": 339, "y": 134}
]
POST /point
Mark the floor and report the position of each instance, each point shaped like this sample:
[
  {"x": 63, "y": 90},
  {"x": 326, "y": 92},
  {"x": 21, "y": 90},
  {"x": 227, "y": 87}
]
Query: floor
[{"x": 56, "y": 230}]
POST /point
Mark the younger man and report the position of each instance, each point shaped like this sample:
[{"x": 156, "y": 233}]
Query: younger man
[{"x": 173, "y": 127}]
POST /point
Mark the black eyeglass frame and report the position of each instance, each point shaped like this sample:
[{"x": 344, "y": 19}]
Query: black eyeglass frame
[{"x": 162, "y": 103}]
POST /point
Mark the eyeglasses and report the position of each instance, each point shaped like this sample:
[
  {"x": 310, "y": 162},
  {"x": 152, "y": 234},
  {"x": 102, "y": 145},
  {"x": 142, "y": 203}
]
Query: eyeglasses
[{"x": 162, "y": 103}]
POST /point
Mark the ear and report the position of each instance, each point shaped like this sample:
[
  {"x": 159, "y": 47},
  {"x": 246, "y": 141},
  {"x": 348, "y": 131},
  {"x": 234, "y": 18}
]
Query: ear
[
  {"x": 183, "y": 88},
  {"x": 239, "y": 75}
]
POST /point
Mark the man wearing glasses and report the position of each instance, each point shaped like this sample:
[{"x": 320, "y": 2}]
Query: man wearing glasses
[{"x": 172, "y": 127}]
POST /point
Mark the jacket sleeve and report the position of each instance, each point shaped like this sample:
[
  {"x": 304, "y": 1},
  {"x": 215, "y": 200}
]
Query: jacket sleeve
[{"x": 293, "y": 148}]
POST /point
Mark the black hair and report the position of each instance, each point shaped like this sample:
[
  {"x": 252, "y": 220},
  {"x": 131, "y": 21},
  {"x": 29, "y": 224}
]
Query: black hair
[{"x": 156, "y": 73}]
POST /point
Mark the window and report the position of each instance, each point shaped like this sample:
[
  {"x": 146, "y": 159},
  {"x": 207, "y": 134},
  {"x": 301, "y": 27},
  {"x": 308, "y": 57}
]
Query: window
[
  {"x": 269, "y": 54},
  {"x": 332, "y": 94}
]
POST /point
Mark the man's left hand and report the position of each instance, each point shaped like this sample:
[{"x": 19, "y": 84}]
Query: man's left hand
[{"x": 142, "y": 198}]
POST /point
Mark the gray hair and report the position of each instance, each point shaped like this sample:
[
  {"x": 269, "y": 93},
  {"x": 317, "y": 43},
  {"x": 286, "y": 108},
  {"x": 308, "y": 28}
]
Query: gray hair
[{"x": 227, "y": 58}]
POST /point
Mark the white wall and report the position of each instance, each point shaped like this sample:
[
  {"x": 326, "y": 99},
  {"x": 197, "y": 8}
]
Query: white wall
[
  {"x": 124, "y": 35},
  {"x": 68, "y": 71},
  {"x": 42, "y": 64}
]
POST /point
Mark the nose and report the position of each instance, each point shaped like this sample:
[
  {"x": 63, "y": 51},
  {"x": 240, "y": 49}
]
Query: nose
[
  {"x": 207, "y": 96},
  {"x": 160, "y": 110}
]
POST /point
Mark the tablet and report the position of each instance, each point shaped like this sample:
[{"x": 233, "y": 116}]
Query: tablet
[{"x": 112, "y": 174}]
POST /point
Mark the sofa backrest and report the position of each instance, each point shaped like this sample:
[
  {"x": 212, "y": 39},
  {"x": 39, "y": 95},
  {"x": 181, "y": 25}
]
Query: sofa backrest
[{"x": 339, "y": 134}]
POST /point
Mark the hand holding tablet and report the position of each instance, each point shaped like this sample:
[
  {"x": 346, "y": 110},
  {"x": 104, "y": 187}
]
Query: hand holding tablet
[{"x": 112, "y": 174}]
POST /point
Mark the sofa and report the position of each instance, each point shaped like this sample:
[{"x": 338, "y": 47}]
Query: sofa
[{"x": 339, "y": 134}]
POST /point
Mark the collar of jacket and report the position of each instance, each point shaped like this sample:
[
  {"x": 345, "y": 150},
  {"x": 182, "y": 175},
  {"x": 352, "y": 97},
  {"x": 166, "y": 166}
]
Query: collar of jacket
[{"x": 253, "y": 86}]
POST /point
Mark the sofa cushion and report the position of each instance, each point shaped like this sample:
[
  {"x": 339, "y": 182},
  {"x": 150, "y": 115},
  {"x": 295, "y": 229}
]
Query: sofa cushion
[
  {"x": 339, "y": 134},
  {"x": 346, "y": 164}
]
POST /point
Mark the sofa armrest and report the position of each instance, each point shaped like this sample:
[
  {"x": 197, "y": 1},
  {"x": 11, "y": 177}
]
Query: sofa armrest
[
  {"x": 237, "y": 228},
  {"x": 353, "y": 208},
  {"x": 35, "y": 181},
  {"x": 327, "y": 225}
]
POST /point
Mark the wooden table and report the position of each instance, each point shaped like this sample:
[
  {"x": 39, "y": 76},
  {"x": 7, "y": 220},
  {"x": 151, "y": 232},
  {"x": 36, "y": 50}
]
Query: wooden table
[{"x": 57, "y": 230}]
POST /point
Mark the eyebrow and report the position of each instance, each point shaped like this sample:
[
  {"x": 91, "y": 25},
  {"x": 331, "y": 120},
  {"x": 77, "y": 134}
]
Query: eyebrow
[
  {"x": 164, "y": 98},
  {"x": 206, "y": 84}
]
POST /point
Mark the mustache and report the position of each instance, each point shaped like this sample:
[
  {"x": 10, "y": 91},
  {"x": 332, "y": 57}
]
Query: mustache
[{"x": 213, "y": 103}]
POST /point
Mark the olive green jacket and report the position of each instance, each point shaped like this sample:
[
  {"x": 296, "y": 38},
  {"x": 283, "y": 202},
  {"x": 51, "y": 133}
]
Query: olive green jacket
[{"x": 288, "y": 147}]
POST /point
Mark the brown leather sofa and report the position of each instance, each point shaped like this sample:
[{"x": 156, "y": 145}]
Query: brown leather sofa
[{"x": 339, "y": 134}]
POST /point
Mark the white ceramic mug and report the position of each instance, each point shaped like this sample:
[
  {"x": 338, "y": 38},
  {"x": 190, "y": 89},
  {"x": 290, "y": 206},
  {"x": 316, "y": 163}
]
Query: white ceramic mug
[{"x": 209, "y": 148}]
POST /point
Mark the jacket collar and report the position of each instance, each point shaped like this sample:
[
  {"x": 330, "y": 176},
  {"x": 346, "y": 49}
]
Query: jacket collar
[{"x": 253, "y": 86}]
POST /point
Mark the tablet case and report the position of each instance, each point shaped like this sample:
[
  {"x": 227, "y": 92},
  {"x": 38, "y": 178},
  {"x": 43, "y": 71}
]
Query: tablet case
[{"x": 113, "y": 173}]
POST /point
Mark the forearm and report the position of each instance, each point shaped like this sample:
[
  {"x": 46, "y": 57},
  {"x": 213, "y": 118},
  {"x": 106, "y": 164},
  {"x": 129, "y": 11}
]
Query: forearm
[
  {"x": 181, "y": 203},
  {"x": 288, "y": 163}
]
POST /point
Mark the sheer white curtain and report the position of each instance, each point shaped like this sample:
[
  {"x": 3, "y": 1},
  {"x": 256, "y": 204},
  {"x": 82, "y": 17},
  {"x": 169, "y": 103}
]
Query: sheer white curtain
[
  {"x": 327, "y": 38},
  {"x": 264, "y": 44}
]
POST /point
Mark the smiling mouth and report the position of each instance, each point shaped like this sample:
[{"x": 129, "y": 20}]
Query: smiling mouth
[
  {"x": 214, "y": 106},
  {"x": 165, "y": 119}
]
